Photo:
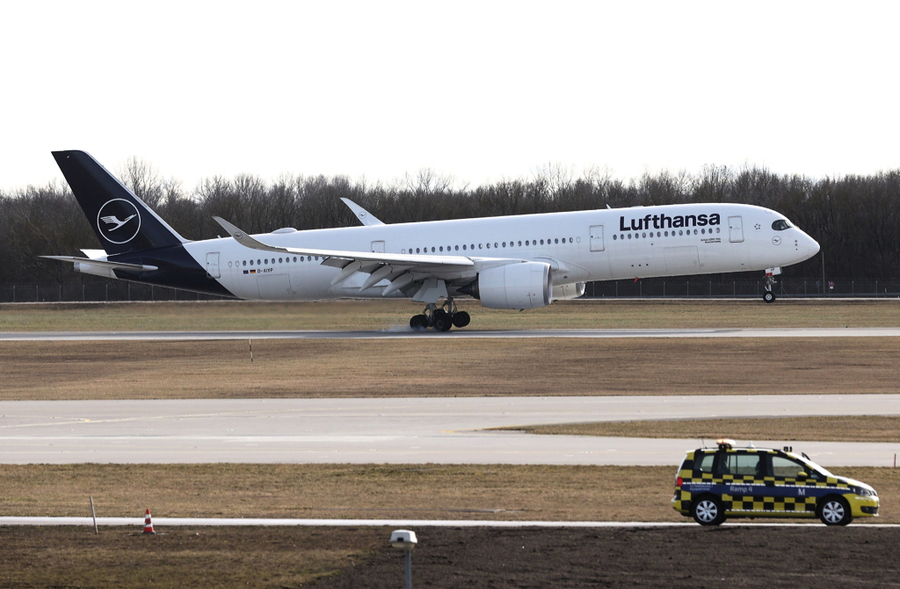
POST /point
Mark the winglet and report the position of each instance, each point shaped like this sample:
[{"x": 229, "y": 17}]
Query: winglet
[
  {"x": 364, "y": 216},
  {"x": 245, "y": 240}
]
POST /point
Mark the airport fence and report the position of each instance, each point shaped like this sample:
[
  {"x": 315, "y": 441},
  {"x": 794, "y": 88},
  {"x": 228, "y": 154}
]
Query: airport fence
[{"x": 109, "y": 291}]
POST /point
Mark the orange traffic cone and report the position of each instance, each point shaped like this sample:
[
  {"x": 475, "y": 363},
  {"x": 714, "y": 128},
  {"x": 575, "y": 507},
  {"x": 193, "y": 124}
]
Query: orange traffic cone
[{"x": 148, "y": 525}]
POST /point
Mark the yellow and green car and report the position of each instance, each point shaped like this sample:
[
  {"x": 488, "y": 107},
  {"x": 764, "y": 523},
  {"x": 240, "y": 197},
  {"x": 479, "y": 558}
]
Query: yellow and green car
[{"x": 714, "y": 484}]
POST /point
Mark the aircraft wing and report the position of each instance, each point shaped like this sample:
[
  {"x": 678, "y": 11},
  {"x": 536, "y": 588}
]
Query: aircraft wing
[
  {"x": 429, "y": 274},
  {"x": 408, "y": 260}
]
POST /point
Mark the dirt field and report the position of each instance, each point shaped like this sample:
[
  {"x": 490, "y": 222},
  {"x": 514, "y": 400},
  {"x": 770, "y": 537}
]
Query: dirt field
[{"x": 332, "y": 558}]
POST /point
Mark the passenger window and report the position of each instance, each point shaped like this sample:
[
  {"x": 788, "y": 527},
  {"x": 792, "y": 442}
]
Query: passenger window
[
  {"x": 705, "y": 464},
  {"x": 740, "y": 465},
  {"x": 785, "y": 467}
]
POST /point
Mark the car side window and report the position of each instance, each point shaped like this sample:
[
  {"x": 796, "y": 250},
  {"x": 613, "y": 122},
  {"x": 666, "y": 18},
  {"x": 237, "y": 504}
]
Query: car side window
[
  {"x": 784, "y": 467},
  {"x": 740, "y": 465},
  {"x": 705, "y": 464}
]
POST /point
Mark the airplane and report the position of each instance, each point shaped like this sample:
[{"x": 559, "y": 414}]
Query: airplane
[{"x": 511, "y": 262}]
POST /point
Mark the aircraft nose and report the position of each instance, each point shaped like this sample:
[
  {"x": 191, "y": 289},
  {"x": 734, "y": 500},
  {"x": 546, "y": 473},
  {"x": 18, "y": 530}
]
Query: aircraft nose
[{"x": 807, "y": 246}]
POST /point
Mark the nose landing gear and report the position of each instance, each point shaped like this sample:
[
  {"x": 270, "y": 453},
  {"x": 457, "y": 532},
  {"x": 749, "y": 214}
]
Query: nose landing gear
[
  {"x": 771, "y": 273},
  {"x": 440, "y": 318}
]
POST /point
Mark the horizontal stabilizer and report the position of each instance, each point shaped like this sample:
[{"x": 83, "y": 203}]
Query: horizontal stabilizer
[{"x": 103, "y": 263}]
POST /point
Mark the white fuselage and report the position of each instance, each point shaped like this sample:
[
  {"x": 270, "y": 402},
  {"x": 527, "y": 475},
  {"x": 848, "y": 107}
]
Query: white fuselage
[{"x": 610, "y": 244}]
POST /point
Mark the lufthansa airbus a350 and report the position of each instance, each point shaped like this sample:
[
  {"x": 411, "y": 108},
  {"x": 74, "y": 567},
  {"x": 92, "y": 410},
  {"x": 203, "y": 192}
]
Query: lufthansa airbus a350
[{"x": 512, "y": 262}]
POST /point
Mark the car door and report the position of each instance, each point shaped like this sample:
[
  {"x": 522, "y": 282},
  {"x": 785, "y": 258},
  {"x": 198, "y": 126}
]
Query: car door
[
  {"x": 742, "y": 474},
  {"x": 792, "y": 492}
]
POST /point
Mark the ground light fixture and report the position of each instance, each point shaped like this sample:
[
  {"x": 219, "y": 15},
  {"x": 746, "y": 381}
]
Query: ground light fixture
[{"x": 405, "y": 540}]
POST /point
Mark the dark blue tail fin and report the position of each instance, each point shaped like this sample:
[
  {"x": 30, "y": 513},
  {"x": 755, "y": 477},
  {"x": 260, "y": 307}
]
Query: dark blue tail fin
[{"x": 122, "y": 221}]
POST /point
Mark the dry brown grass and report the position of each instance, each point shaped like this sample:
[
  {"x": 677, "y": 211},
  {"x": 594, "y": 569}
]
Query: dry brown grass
[
  {"x": 842, "y": 428},
  {"x": 312, "y": 491},
  {"x": 381, "y": 314},
  {"x": 447, "y": 366}
]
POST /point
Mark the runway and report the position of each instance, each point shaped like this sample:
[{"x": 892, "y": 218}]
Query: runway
[
  {"x": 398, "y": 431},
  {"x": 406, "y": 333}
]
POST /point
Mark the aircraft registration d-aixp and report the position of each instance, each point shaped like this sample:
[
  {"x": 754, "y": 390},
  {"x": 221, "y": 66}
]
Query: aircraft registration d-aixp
[{"x": 513, "y": 262}]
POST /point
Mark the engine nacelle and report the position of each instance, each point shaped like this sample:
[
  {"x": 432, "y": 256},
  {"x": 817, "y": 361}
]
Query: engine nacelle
[
  {"x": 524, "y": 285},
  {"x": 567, "y": 292}
]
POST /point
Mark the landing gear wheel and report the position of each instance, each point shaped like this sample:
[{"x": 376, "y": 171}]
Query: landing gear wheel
[
  {"x": 835, "y": 511},
  {"x": 460, "y": 319},
  {"x": 769, "y": 296},
  {"x": 440, "y": 318},
  {"x": 442, "y": 321},
  {"x": 707, "y": 511}
]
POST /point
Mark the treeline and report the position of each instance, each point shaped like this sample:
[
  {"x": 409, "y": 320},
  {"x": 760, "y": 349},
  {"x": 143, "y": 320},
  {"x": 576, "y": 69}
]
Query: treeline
[{"x": 855, "y": 218}]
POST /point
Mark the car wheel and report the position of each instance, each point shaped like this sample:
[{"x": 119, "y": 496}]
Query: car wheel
[
  {"x": 835, "y": 511},
  {"x": 707, "y": 511}
]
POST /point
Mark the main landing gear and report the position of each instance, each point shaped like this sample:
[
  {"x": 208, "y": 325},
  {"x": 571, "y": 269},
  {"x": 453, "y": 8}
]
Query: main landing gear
[
  {"x": 769, "y": 294},
  {"x": 440, "y": 318}
]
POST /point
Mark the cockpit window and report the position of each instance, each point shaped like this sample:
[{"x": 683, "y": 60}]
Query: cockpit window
[{"x": 781, "y": 225}]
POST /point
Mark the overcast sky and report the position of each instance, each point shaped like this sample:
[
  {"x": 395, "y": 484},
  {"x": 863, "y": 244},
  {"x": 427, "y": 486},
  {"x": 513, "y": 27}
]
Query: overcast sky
[{"x": 480, "y": 91}]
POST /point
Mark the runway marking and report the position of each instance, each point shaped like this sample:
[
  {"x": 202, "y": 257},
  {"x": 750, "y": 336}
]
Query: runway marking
[{"x": 175, "y": 522}]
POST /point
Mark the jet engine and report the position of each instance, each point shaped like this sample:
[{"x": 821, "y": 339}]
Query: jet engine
[{"x": 524, "y": 285}]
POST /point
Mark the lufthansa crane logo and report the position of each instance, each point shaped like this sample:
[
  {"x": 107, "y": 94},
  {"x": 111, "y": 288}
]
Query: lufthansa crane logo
[{"x": 118, "y": 221}]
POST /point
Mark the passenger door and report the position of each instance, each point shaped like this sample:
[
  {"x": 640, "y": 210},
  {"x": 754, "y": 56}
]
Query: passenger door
[
  {"x": 791, "y": 492},
  {"x": 735, "y": 229},
  {"x": 597, "y": 244},
  {"x": 742, "y": 474},
  {"x": 212, "y": 265}
]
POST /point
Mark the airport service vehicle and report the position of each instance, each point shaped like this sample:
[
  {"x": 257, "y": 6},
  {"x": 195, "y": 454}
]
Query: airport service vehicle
[
  {"x": 512, "y": 262},
  {"x": 713, "y": 484}
]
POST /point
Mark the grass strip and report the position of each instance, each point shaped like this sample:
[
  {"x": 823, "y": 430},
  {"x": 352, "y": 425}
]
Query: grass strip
[
  {"x": 395, "y": 314},
  {"x": 437, "y": 366},
  {"x": 837, "y": 428},
  {"x": 336, "y": 491}
]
